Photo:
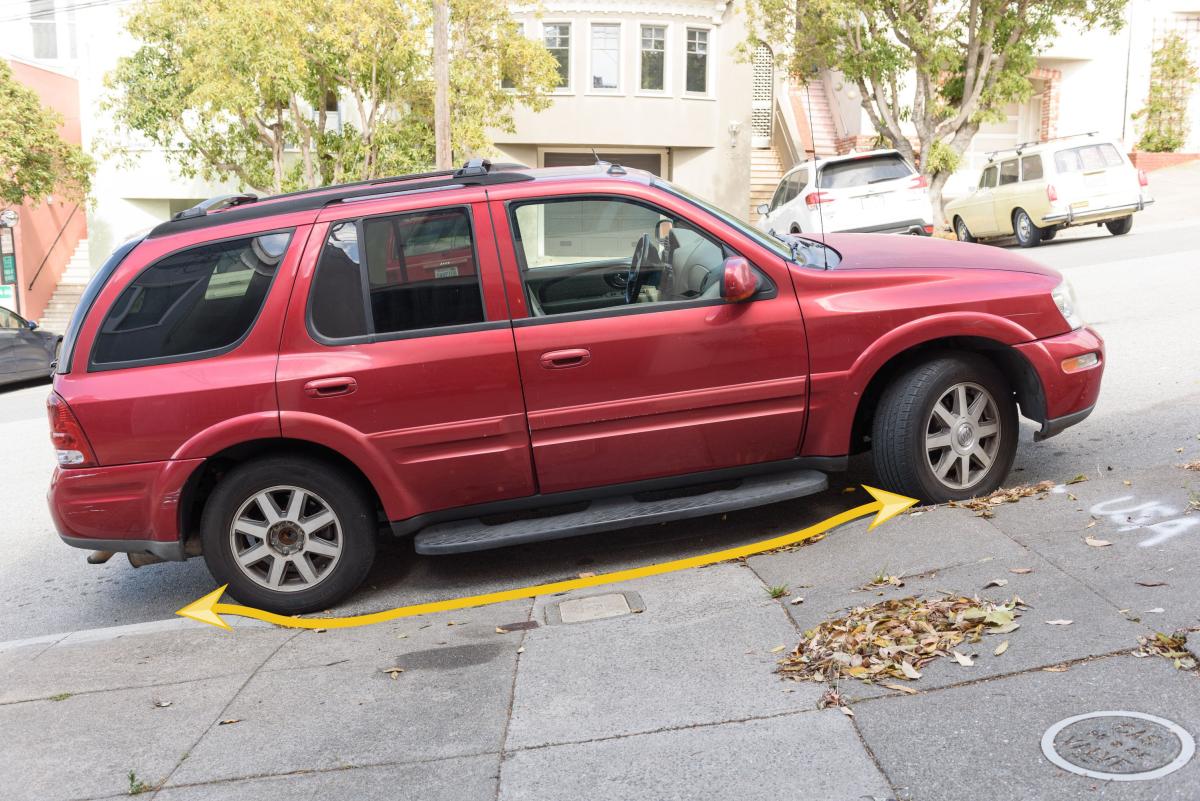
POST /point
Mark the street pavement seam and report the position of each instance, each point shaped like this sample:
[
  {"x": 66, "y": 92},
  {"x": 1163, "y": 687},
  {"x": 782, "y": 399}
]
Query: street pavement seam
[
  {"x": 221, "y": 715},
  {"x": 853, "y": 723},
  {"x": 512, "y": 699},
  {"x": 103, "y": 690}
]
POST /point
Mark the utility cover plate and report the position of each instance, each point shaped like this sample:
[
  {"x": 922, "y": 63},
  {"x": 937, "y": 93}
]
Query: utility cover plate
[
  {"x": 1118, "y": 745},
  {"x": 594, "y": 607}
]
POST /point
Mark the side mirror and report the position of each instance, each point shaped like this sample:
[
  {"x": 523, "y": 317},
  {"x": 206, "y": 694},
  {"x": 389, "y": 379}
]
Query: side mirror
[
  {"x": 763, "y": 208},
  {"x": 738, "y": 282},
  {"x": 32, "y": 324},
  {"x": 662, "y": 230}
]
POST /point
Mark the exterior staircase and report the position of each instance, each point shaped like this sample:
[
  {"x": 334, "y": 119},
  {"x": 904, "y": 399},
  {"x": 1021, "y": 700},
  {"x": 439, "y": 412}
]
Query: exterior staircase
[
  {"x": 815, "y": 104},
  {"x": 765, "y": 171},
  {"x": 70, "y": 287}
]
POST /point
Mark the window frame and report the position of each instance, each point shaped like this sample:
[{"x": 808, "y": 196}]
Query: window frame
[
  {"x": 371, "y": 337},
  {"x": 100, "y": 367},
  {"x": 668, "y": 33},
  {"x": 709, "y": 63},
  {"x": 619, "y": 90},
  {"x": 569, "y": 87},
  {"x": 767, "y": 288}
]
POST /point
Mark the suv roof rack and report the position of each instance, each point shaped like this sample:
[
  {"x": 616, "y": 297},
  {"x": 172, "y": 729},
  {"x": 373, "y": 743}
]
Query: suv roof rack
[{"x": 233, "y": 208}]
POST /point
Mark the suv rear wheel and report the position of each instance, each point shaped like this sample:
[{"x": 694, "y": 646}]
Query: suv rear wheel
[
  {"x": 1121, "y": 226},
  {"x": 946, "y": 430},
  {"x": 1028, "y": 234},
  {"x": 289, "y": 535}
]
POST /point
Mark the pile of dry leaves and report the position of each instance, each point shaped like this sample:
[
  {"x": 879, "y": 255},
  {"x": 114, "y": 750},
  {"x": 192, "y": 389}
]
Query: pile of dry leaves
[
  {"x": 1172, "y": 647},
  {"x": 893, "y": 639},
  {"x": 983, "y": 506}
]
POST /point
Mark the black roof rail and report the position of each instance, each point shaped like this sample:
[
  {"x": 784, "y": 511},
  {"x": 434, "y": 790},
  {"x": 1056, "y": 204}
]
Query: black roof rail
[
  {"x": 476, "y": 172},
  {"x": 1018, "y": 148}
]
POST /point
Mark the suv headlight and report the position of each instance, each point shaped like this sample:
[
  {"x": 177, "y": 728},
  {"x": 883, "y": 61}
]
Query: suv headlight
[{"x": 1064, "y": 299}]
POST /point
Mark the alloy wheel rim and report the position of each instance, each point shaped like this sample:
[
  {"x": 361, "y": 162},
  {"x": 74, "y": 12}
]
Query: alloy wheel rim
[
  {"x": 286, "y": 538},
  {"x": 962, "y": 436}
]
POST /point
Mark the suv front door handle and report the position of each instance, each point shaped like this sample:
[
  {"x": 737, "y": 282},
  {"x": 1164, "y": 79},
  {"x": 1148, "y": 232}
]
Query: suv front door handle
[
  {"x": 330, "y": 387},
  {"x": 559, "y": 359}
]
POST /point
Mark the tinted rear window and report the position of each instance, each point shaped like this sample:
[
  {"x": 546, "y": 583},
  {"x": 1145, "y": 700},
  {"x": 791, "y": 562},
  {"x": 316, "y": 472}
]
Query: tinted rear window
[
  {"x": 863, "y": 171},
  {"x": 192, "y": 303}
]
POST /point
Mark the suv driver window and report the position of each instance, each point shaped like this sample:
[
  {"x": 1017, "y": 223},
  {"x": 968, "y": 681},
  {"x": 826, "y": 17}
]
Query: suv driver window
[{"x": 577, "y": 255}]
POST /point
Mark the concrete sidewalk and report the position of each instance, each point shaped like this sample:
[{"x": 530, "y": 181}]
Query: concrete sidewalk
[{"x": 677, "y": 701}]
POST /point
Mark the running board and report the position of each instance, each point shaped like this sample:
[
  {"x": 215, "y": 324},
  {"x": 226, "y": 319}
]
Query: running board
[{"x": 621, "y": 512}]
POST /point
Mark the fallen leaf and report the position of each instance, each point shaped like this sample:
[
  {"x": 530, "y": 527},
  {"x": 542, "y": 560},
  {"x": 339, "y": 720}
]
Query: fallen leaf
[
  {"x": 1127, "y": 483},
  {"x": 229, "y": 721},
  {"x": 1158, "y": 610},
  {"x": 1095, "y": 543},
  {"x": 1072, "y": 497},
  {"x": 394, "y": 672},
  {"x": 1055, "y": 669},
  {"x": 1192, "y": 465},
  {"x": 1001, "y": 648},
  {"x": 778, "y": 648},
  {"x": 1079, "y": 479},
  {"x": 1151, "y": 583},
  {"x": 1059, "y": 622},
  {"x": 996, "y": 583},
  {"x": 910, "y": 671},
  {"x": 521, "y": 650},
  {"x": 501, "y": 630},
  {"x": 163, "y": 704},
  {"x": 962, "y": 659},
  {"x": 586, "y": 574},
  {"x": 848, "y": 490},
  {"x": 1091, "y": 524},
  {"x": 1020, "y": 571},
  {"x": 401, "y": 636},
  {"x": 900, "y": 688},
  {"x": 847, "y": 711},
  {"x": 1008, "y": 629},
  {"x": 796, "y": 601}
]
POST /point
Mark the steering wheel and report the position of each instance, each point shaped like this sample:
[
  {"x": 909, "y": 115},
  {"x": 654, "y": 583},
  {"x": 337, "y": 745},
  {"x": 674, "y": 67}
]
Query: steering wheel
[{"x": 633, "y": 283}]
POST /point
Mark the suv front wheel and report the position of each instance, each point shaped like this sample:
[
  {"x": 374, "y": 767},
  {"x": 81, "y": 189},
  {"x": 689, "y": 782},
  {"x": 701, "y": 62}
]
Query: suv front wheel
[
  {"x": 288, "y": 535},
  {"x": 946, "y": 430}
]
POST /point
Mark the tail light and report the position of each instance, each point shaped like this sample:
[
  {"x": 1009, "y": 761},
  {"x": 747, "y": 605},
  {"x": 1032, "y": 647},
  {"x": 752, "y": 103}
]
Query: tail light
[
  {"x": 1051, "y": 193},
  {"x": 814, "y": 199},
  {"x": 1143, "y": 179},
  {"x": 919, "y": 182},
  {"x": 70, "y": 445}
]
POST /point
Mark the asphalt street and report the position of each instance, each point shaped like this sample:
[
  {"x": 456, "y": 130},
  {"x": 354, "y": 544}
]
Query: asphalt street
[{"x": 1139, "y": 291}]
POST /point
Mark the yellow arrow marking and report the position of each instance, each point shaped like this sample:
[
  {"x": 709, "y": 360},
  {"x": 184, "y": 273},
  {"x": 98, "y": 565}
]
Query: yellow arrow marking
[{"x": 885, "y": 506}]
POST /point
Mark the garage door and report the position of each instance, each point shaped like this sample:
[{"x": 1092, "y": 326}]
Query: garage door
[{"x": 650, "y": 162}]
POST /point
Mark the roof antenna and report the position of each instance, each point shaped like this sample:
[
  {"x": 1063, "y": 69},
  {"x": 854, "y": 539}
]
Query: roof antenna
[
  {"x": 596, "y": 156},
  {"x": 816, "y": 173}
]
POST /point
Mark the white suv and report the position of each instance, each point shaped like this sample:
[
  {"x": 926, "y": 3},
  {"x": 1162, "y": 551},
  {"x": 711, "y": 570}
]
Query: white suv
[{"x": 873, "y": 192}]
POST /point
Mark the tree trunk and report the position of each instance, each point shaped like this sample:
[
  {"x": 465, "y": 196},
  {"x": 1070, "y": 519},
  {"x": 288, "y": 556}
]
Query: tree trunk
[{"x": 441, "y": 83}]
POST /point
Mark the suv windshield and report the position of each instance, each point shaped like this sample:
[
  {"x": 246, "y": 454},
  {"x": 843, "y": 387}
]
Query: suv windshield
[
  {"x": 864, "y": 170},
  {"x": 817, "y": 254}
]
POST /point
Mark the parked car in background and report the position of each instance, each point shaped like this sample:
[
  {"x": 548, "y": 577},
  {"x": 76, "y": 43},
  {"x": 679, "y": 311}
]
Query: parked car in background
[
  {"x": 874, "y": 192},
  {"x": 26, "y": 351},
  {"x": 497, "y": 355},
  {"x": 1036, "y": 188}
]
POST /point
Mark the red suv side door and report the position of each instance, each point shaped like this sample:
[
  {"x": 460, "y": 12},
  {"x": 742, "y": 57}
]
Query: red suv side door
[
  {"x": 398, "y": 353},
  {"x": 623, "y": 392}
]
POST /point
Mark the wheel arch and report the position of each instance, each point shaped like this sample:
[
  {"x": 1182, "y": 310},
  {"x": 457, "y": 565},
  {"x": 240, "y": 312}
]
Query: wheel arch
[
  {"x": 204, "y": 478},
  {"x": 1019, "y": 372}
]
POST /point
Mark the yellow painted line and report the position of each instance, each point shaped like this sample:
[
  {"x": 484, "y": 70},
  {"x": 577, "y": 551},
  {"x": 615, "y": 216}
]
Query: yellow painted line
[{"x": 209, "y": 608}]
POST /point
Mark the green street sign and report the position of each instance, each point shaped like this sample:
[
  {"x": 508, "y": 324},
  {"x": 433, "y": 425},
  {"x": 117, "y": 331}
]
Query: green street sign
[
  {"x": 8, "y": 296},
  {"x": 8, "y": 269}
]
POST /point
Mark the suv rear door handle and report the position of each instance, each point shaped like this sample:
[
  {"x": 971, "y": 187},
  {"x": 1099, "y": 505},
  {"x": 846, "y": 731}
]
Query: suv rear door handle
[
  {"x": 572, "y": 357},
  {"x": 330, "y": 387}
]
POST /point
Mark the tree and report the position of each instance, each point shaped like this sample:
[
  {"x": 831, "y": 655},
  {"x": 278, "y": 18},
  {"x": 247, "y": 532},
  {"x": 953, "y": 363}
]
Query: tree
[
  {"x": 937, "y": 70},
  {"x": 1172, "y": 76},
  {"x": 248, "y": 90},
  {"x": 34, "y": 159}
]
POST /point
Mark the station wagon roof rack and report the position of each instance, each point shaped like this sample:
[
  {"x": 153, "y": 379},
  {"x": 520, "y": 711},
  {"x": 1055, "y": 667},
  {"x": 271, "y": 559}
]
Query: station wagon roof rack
[
  {"x": 233, "y": 208},
  {"x": 991, "y": 156}
]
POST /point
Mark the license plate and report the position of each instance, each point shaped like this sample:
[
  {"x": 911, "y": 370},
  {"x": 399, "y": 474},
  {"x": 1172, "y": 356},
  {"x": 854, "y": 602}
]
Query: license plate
[{"x": 445, "y": 272}]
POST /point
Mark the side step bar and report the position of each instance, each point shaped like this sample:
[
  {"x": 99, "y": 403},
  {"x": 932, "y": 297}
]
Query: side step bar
[{"x": 621, "y": 512}]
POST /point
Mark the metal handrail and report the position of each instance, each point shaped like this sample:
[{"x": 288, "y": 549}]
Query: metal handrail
[{"x": 53, "y": 245}]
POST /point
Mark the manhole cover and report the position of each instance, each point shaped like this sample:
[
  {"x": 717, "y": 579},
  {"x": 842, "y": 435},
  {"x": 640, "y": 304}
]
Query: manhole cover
[
  {"x": 594, "y": 607},
  {"x": 1118, "y": 746}
]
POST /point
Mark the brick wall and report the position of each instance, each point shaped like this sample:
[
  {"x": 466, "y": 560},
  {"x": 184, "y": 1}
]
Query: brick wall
[{"x": 1156, "y": 161}]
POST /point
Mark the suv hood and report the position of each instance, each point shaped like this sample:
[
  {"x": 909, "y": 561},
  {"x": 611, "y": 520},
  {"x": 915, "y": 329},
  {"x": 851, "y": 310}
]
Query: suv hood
[{"x": 892, "y": 251}]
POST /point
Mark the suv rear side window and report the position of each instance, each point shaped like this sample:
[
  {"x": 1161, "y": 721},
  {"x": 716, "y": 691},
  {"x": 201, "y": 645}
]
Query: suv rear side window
[
  {"x": 420, "y": 273},
  {"x": 863, "y": 171},
  {"x": 194, "y": 303}
]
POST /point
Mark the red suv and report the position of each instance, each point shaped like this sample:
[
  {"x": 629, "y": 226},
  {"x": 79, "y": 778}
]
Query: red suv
[{"x": 499, "y": 355}]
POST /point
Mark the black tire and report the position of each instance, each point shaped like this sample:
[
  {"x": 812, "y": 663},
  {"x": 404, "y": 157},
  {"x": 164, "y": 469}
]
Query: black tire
[
  {"x": 1120, "y": 227},
  {"x": 1028, "y": 235},
  {"x": 903, "y": 417},
  {"x": 1048, "y": 234},
  {"x": 961, "y": 231},
  {"x": 795, "y": 229},
  {"x": 355, "y": 518}
]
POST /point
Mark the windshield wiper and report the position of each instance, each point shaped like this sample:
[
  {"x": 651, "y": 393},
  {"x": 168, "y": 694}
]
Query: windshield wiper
[{"x": 793, "y": 245}]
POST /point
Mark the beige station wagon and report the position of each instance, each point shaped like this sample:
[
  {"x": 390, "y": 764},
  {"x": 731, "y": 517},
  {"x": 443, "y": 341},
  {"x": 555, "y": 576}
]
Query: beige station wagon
[{"x": 1034, "y": 189}]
